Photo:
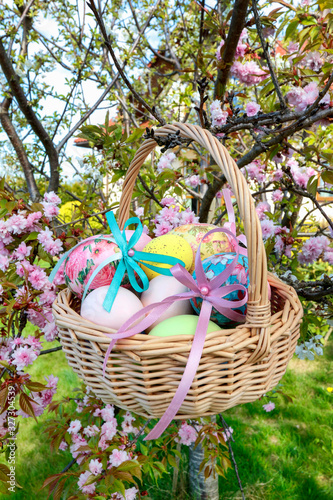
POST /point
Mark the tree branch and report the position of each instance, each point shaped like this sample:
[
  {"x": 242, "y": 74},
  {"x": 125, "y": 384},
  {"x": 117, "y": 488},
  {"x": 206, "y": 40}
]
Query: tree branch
[
  {"x": 267, "y": 57},
  {"x": 17, "y": 144},
  {"x": 235, "y": 30},
  {"x": 118, "y": 66},
  {"x": 26, "y": 108}
]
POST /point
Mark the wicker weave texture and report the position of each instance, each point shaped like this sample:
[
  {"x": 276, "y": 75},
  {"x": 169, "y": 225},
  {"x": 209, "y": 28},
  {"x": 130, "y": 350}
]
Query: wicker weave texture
[{"x": 237, "y": 366}]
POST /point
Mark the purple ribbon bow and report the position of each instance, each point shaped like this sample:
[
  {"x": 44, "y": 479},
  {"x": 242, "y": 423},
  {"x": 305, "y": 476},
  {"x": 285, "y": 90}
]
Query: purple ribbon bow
[{"x": 211, "y": 293}]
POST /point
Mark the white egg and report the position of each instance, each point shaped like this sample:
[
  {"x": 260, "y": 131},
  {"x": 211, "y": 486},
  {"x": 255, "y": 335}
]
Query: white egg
[
  {"x": 125, "y": 305},
  {"x": 161, "y": 287}
]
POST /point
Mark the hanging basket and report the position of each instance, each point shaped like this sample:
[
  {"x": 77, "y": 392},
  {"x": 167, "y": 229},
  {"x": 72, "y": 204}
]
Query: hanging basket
[{"x": 237, "y": 366}]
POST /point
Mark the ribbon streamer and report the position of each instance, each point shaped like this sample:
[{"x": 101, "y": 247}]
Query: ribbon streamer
[
  {"x": 211, "y": 293},
  {"x": 128, "y": 257}
]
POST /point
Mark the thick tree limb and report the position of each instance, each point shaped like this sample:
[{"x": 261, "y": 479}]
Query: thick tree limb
[
  {"x": 26, "y": 108},
  {"x": 235, "y": 30},
  {"x": 17, "y": 144}
]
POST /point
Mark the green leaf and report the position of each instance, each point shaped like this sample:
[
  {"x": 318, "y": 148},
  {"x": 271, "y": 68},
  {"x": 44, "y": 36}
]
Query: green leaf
[
  {"x": 31, "y": 236},
  {"x": 312, "y": 185},
  {"x": 291, "y": 29},
  {"x": 137, "y": 134},
  {"x": 327, "y": 176},
  {"x": 172, "y": 461}
]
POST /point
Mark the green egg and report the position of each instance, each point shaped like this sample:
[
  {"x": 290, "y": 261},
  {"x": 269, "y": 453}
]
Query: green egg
[{"x": 184, "y": 324}]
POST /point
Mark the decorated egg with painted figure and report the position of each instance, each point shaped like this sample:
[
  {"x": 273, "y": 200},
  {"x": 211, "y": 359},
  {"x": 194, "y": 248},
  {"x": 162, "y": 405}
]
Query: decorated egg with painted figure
[
  {"x": 124, "y": 306},
  {"x": 215, "y": 265},
  {"x": 159, "y": 289},
  {"x": 170, "y": 245},
  {"x": 213, "y": 244},
  {"x": 82, "y": 262}
]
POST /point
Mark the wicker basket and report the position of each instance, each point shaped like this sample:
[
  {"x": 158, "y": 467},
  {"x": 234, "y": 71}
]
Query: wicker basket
[{"x": 237, "y": 366}]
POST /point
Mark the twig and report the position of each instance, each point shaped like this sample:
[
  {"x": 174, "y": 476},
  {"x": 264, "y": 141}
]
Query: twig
[
  {"x": 84, "y": 218},
  {"x": 267, "y": 57},
  {"x": 149, "y": 191},
  {"x": 225, "y": 427},
  {"x": 54, "y": 349},
  {"x": 118, "y": 66},
  {"x": 68, "y": 466}
]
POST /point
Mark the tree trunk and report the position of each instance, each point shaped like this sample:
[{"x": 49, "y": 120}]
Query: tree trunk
[{"x": 201, "y": 489}]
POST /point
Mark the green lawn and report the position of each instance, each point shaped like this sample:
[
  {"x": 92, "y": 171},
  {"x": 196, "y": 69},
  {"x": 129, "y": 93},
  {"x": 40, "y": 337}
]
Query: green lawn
[{"x": 283, "y": 455}]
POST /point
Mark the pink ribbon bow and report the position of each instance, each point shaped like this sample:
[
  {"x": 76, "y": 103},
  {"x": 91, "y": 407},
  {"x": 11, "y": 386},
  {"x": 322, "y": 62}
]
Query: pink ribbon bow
[{"x": 211, "y": 293}]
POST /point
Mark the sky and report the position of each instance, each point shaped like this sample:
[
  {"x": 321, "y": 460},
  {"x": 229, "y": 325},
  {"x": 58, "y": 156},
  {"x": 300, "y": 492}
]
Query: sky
[{"x": 57, "y": 78}]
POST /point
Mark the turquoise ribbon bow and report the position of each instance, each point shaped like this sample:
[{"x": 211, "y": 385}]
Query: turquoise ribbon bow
[{"x": 128, "y": 257}]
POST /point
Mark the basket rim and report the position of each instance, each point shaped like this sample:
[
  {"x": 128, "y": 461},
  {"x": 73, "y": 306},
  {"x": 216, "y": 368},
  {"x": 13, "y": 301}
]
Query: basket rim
[{"x": 67, "y": 317}]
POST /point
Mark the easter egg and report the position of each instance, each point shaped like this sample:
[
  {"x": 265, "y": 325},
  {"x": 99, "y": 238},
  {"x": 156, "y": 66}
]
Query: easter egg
[
  {"x": 81, "y": 263},
  {"x": 125, "y": 305},
  {"x": 143, "y": 240},
  {"x": 161, "y": 287},
  {"x": 215, "y": 265},
  {"x": 213, "y": 244},
  {"x": 180, "y": 325},
  {"x": 171, "y": 245}
]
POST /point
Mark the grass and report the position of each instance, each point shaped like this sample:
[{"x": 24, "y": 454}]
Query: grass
[{"x": 286, "y": 454}]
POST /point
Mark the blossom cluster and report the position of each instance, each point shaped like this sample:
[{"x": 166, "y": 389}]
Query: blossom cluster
[
  {"x": 171, "y": 216},
  {"x": 302, "y": 97},
  {"x": 165, "y": 162}
]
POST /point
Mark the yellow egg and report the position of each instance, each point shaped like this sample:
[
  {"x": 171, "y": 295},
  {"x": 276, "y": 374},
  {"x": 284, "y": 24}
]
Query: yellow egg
[
  {"x": 168, "y": 244},
  {"x": 214, "y": 243}
]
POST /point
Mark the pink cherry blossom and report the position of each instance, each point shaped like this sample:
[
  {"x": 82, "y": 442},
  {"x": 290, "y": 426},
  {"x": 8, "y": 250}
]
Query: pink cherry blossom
[
  {"x": 52, "y": 381},
  {"x": 252, "y": 108},
  {"x": 53, "y": 198},
  {"x": 312, "y": 249},
  {"x": 38, "y": 278},
  {"x": 277, "y": 195},
  {"x": 187, "y": 434},
  {"x": 165, "y": 162},
  {"x": 218, "y": 51},
  {"x": 91, "y": 430},
  {"x": 219, "y": 117},
  {"x": 22, "y": 251},
  {"x": 166, "y": 202},
  {"x": 267, "y": 228},
  {"x": 262, "y": 207},
  {"x": 278, "y": 174},
  {"x": 4, "y": 262},
  {"x": 227, "y": 434},
  {"x": 107, "y": 413},
  {"x": 248, "y": 73},
  {"x": 74, "y": 427},
  {"x": 314, "y": 61},
  {"x": 162, "y": 228},
  {"x": 139, "y": 212},
  {"x": 117, "y": 457},
  {"x": 109, "y": 429},
  {"x": 188, "y": 217},
  {"x": 192, "y": 181},
  {"x": 23, "y": 356},
  {"x": 50, "y": 331},
  {"x": 32, "y": 220},
  {"x": 63, "y": 445},
  {"x": 269, "y": 406},
  {"x": 16, "y": 224},
  {"x": 50, "y": 210},
  {"x": 95, "y": 467},
  {"x": 87, "y": 490},
  {"x": 328, "y": 256},
  {"x": 33, "y": 342}
]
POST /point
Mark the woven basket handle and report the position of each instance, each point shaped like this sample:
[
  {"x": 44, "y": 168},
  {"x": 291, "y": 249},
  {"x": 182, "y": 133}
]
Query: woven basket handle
[{"x": 258, "y": 314}]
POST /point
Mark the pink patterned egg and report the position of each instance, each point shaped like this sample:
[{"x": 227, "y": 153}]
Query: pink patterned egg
[{"x": 82, "y": 262}]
